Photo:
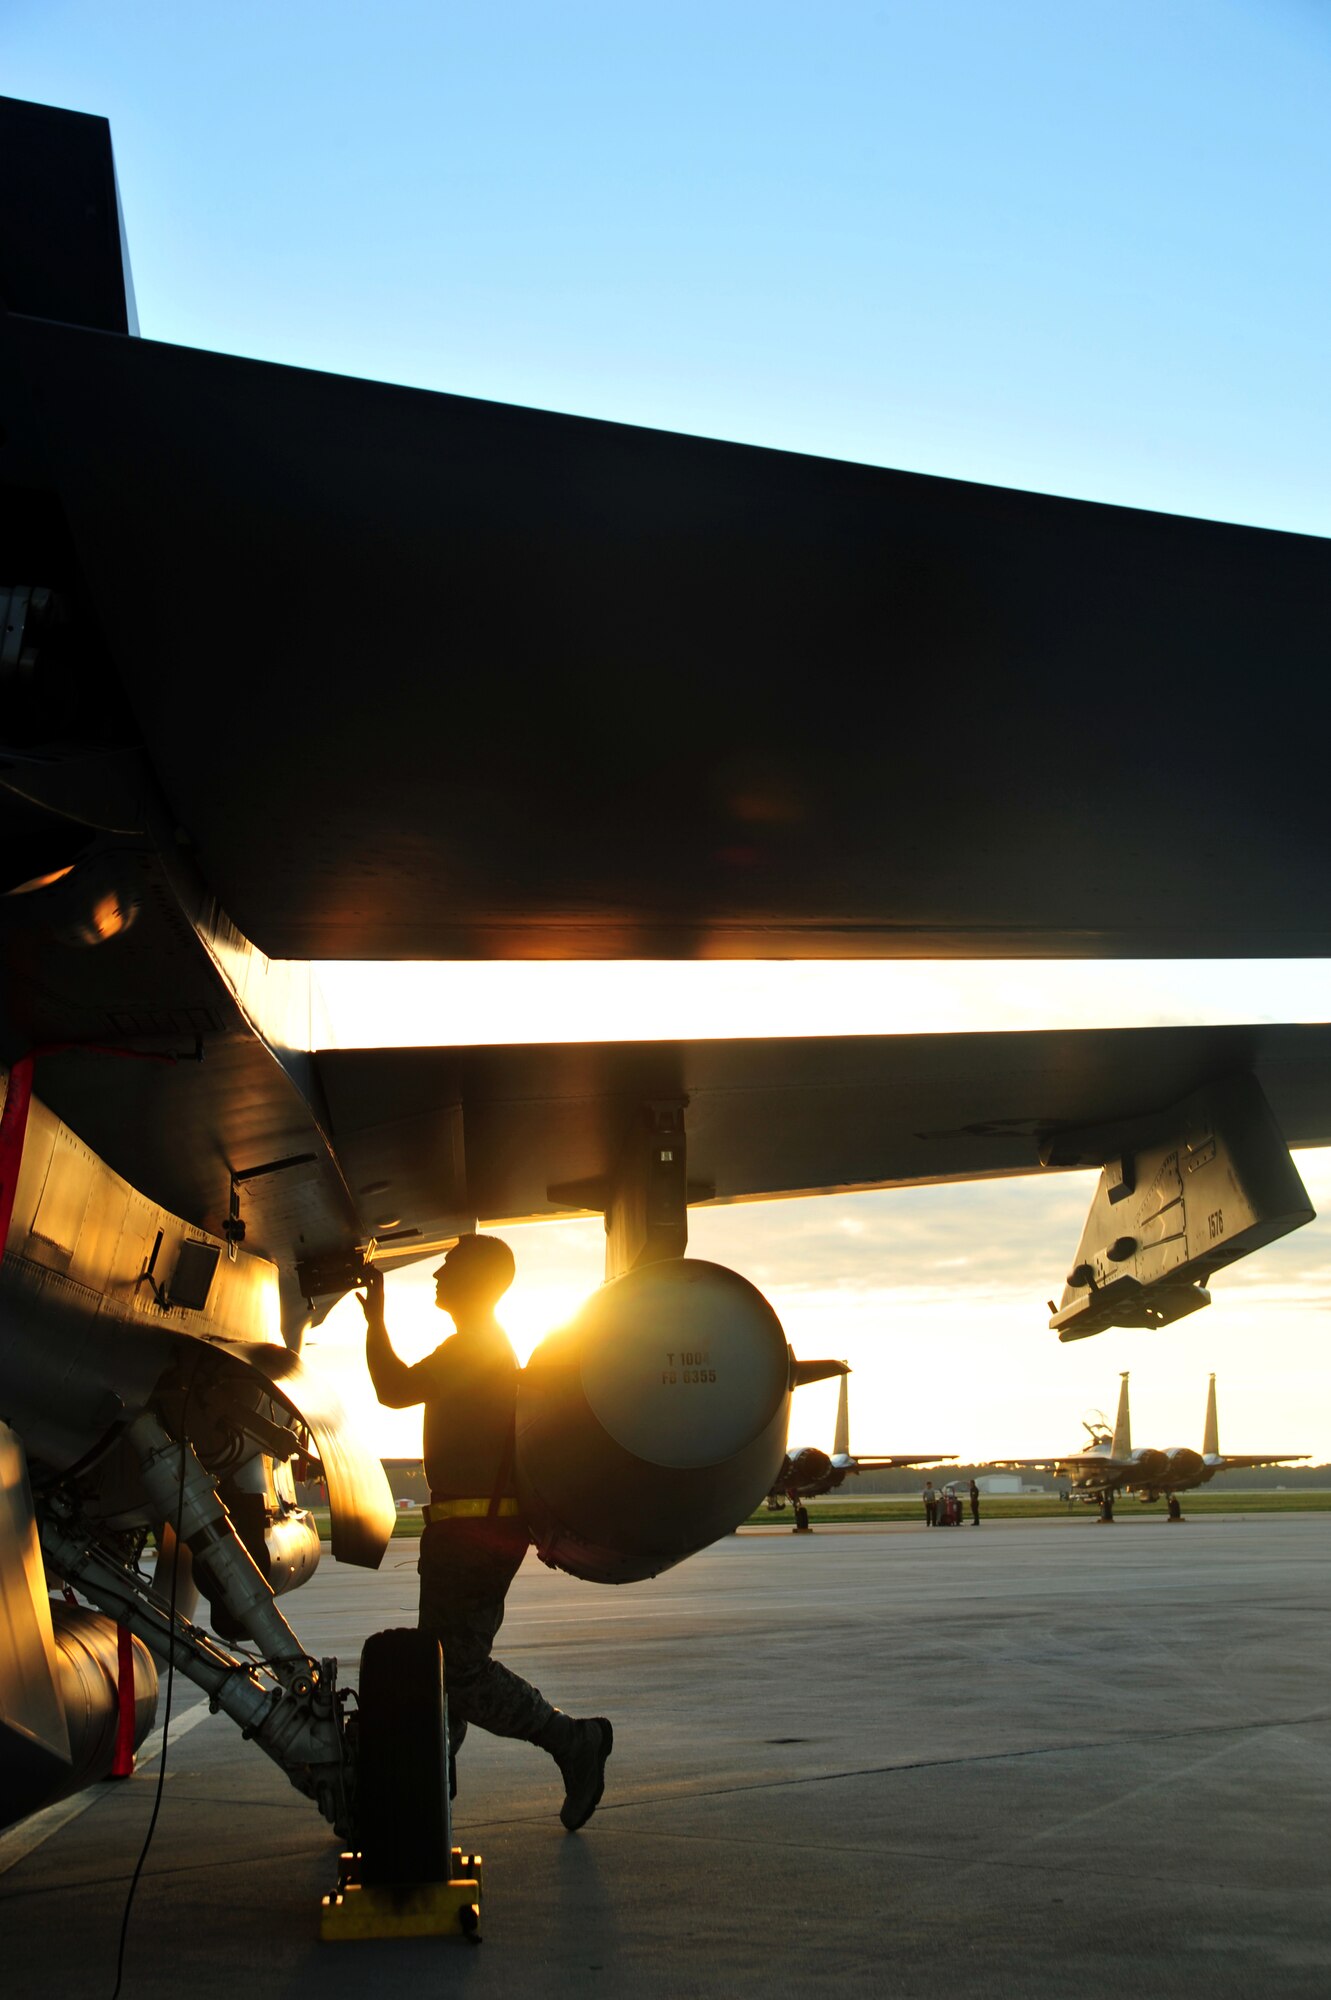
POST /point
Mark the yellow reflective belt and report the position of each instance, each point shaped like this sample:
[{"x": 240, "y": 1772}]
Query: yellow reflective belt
[{"x": 467, "y": 1510}]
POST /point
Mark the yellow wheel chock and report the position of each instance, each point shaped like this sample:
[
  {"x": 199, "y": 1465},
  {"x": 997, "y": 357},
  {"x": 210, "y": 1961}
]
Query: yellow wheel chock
[{"x": 404, "y": 1909}]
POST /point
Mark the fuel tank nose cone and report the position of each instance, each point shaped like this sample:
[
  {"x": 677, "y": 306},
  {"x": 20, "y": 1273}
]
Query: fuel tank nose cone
[{"x": 653, "y": 1422}]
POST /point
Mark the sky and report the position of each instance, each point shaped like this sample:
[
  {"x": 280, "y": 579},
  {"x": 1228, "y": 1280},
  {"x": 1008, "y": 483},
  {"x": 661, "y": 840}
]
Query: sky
[
  {"x": 1074, "y": 248},
  {"x": 1078, "y": 249}
]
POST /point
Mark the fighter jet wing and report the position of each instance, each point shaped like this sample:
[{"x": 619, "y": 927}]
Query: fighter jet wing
[
  {"x": 1233, "y": 1462},
  {"x": 866, "y": 1462},
  {"x": 412, "y": 1146},
  {"x": 402, "y": 555},
  {"x": 510, "y": 1133},
  {"x": 472, "y": 634}
]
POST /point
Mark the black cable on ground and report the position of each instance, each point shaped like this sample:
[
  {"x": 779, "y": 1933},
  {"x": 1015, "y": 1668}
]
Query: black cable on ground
[{"x": 170, "y": 1688}]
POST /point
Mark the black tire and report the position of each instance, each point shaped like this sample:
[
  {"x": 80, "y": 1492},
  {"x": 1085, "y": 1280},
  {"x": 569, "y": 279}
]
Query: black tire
[{"x": 402, "y": 1818}]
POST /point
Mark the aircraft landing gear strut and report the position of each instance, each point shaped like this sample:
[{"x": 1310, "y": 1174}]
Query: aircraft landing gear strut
[
  {"x": 380, "y": 1776},
  {"x": 299, "y": 1721}
]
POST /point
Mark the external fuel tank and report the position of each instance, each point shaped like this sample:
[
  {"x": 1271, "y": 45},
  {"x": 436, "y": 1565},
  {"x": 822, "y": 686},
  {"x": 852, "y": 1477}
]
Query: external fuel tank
[{"x": 653, "y": 1422}]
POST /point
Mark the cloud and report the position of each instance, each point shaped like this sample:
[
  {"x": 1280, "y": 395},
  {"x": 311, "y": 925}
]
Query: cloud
[{"x": 1014, "y": 1236}]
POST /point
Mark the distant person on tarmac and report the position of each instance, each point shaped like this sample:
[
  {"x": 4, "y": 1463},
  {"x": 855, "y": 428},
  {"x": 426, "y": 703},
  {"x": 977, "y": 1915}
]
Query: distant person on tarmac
[
  {"x": 930, "y": 1499},
  {"x": 975, "y": 1504},
  {"x": 475, "y": 1537}
]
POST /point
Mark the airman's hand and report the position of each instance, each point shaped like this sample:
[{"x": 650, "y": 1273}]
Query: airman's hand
[{"x": 372, "y": 1298}]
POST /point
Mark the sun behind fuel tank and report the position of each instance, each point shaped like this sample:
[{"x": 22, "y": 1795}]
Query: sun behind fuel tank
[{"x": 653, "y": 1422}]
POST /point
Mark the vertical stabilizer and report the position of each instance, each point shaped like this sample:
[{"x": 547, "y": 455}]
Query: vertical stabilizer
[
  {"x": 1122, "y": 1444},
  {"x": 1211, "y": 1435},
  {"x": 841, "y": 1441},
  {"x": 63, "y": 251}
]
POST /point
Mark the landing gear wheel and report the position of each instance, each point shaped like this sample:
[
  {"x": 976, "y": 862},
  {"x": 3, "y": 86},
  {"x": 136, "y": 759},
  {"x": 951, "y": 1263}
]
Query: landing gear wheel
[{"x": 403, "y": 1828}]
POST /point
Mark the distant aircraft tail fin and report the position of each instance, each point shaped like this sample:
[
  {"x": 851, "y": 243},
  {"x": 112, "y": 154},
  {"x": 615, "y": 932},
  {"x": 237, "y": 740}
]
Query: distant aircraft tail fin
[
  {"x": 1122, "y": 1444},
  {"x": 1211, "y": 1435},
  {"x": 841, "y": 1441}
]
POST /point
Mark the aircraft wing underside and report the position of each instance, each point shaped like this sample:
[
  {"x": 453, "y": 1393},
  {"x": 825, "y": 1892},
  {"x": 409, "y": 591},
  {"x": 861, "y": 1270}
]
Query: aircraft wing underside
[
  {"x": 422, "y": 677},
  {"x": 533, "y": 1125},
  {"x": 411, "y": 1146}
]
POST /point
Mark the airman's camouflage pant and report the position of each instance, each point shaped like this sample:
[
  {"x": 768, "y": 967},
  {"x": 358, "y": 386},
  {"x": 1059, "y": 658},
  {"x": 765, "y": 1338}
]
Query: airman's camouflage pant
[{"x": 466, "y": 1568}]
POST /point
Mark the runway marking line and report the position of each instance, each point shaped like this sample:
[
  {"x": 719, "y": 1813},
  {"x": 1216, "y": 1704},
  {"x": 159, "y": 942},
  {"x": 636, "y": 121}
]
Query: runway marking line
[{"x": 30, "y": 1834}]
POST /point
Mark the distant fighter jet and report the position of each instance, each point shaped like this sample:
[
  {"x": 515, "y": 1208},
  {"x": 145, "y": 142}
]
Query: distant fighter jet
[
  {"x": 1109, "y": 1464},
  {"x": 809, "y": 1471}
]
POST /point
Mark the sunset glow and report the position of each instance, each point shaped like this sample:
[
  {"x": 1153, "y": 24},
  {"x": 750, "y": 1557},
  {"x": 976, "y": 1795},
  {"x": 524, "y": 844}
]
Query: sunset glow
[{"x": 936, "y": 1298}]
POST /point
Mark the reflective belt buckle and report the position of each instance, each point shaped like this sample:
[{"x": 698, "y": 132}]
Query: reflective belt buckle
[{"x": 468, "y": 1510}]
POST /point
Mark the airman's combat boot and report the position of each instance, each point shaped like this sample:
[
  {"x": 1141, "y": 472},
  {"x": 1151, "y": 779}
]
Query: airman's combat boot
[{"x": 580, "y": 1748}]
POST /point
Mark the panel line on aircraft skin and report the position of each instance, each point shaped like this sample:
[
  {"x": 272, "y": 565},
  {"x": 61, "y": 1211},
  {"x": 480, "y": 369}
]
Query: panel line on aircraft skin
[
  {"x": 685, "y": 1796},
  {"x": 24, "y": 1839}
]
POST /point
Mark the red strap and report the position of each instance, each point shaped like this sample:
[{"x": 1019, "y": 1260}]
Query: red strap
[
  {"x": 13, "y": 1127},
  {"x": 122, "y": 1765}
]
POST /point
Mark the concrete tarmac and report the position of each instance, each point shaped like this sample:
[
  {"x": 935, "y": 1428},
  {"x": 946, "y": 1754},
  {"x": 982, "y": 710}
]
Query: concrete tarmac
[{"x": 1018, "y": 1763}]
